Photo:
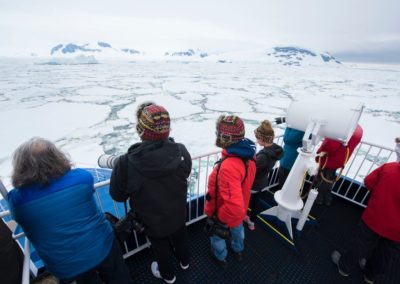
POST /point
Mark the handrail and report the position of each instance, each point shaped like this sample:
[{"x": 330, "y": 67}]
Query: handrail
[
  {"x": 27, "y": 260},
  {"x": 5, "y": 213}
]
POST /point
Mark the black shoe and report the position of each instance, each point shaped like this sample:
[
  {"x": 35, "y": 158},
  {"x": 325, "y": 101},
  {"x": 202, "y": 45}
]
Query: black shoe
[
  {"x": 238, "y": 256},
  {"x": 335, "y": 259},
  {"x": 328, "y": 202},
  {"x": 221, "y": 263}
]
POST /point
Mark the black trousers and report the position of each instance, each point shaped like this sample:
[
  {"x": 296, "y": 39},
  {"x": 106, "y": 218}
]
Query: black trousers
[
  {"x": 255, "y": 205},
  {"x": 112, "y": 270},
  {"x": 377, "y": 251},
  {"x": 325, "y": 188},
  {"x": 164, "y": 249},
  {"x": 282, "y": 176},
  {"x": 11, "y": 257}
]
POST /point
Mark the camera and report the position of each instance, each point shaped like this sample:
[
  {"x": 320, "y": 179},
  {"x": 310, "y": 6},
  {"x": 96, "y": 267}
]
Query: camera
[
  {"x": 215, "y": 227},
  {"x": 107, "y": 161},
  {"x": 129, "y": 222}
]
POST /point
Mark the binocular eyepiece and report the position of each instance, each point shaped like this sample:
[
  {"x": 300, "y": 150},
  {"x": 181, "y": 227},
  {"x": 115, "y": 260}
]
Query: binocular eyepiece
[
  {"x": 107, "y": 161},
  {"x": 280, "y": 120}
]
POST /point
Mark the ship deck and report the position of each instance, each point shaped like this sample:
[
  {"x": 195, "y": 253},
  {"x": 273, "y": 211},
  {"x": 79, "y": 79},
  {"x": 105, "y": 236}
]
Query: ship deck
[{"x": 269, "y": 258}]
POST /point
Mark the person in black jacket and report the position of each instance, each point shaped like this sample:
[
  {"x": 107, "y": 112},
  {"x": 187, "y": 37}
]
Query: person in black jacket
[
  {"x": 157, "y": 170},
  {"x": 265, "y": 161}
]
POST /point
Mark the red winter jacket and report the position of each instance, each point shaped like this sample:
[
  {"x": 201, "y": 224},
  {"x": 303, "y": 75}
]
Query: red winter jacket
[
  {"x": 336, "y": 152},
  {"x": 233, "y": 190},
  {"x": 383, "y": 212}
]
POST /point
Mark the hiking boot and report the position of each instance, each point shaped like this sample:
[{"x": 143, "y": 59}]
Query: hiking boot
[
  {"x": 157, "y": 274},
  {"x": 249, "y": 223},
  {"x": 238, "y": 256},
  {"x": 335, "y": 259},
  {"x": 221, "y": 263}
]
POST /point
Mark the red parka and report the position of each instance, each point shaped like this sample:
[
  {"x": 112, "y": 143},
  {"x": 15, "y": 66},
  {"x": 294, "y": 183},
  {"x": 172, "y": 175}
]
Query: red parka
[
  {"x": 233, "y": 190},
  {"x": 383, "y": 212},
  {"x": 336, "y": 152}
]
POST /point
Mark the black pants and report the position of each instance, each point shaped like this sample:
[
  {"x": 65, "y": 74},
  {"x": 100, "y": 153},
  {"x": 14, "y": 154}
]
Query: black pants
[
  {"x": 255, "y": 205},
  {"x": 112, "y": 270},
  {"x": 163, "y": 249},
  {"x": 324, "y": 187},
  {"x": 11, "y": 257},
  {"x": 378, "y": 252},
  {"x": 282, "y": 176}
]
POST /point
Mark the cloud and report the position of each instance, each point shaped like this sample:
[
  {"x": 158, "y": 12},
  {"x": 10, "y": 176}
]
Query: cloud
[{"x": 336, "y": 26}]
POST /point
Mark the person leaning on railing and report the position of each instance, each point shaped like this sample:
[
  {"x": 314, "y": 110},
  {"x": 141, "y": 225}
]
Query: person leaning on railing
[
  {"x": 55, "y": 207},
  {"x": 378, "y": 235},
  {"x": 333, "y": 155},
  {"x": 265, "y": 161},
  {"x": 153, "y": 175}
]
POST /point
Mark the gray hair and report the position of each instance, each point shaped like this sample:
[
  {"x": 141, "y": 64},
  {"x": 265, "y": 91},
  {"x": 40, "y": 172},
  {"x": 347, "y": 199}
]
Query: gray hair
[{"x": 37, "y": 161}]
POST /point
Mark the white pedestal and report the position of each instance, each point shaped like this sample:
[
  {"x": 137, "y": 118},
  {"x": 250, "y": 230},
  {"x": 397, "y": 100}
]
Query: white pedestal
[{"x": 288, "y": 198}]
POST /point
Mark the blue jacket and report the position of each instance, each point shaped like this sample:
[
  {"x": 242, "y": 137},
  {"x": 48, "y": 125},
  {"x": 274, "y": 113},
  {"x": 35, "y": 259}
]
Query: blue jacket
[
  {"x": 293, "y": 139},
  {"x": 64, "y": 223}
]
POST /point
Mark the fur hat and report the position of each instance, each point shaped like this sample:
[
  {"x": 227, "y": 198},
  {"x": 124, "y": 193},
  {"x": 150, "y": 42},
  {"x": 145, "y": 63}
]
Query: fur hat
[
  {"x": 230, "y": 130},
  {"x": 153, "y": 122},
  {"x": 265, "y": 132}
]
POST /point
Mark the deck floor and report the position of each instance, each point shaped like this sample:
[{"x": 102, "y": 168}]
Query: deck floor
[{"x": 269, "y": 259}]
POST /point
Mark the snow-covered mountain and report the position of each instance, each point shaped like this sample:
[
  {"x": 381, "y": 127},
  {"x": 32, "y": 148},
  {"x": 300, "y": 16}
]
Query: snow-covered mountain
[
  {"x": 281, "y": 55},
  {"x": 102, "y": 49},
  {"x": 289, "y": 55},
  {"x": 187, "y": 53}
]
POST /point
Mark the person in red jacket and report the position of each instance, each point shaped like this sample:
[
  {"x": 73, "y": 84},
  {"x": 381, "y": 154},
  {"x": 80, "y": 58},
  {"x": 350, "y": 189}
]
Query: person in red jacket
[
  {"x": 333, "y": 155},
  {"x": 232, "y": 179},
  {"x": 378, "y": 235}
]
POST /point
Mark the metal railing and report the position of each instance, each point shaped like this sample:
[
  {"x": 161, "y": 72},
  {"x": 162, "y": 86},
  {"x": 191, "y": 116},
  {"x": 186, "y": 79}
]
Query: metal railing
[{"x": 366, "y": 157}]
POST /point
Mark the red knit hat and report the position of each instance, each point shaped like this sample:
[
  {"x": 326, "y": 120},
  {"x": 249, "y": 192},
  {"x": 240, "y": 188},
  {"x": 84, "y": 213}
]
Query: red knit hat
[
  {"x": 230, "y": 130},
  {"x": 153, "y": 122}
]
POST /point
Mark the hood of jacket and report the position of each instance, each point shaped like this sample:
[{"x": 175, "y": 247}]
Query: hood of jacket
[
  {"x": 245, "y": 148},
  {"x": 293, "y": 137},
  {"x": 274, "y": 151},
  {"x": 155, "y": 158}
]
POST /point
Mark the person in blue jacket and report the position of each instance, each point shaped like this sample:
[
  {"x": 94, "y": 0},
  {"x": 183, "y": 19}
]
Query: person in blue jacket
[
  {"x": 55, "y": 207},
  {"x": 293, "y": 139}
]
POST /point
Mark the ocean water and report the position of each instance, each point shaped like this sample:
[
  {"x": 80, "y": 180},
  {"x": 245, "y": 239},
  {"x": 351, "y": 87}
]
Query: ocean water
[{"x": 90, "y": 109}]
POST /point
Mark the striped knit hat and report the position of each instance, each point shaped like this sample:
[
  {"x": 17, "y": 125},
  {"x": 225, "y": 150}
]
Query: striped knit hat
[
  {"x": 230, "y": 130},
  {"x": 153, "y": 122},
  {"x": 265, "y": 132}
]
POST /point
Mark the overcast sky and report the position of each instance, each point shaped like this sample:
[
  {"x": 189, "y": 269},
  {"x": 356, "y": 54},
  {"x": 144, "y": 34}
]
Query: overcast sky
[{"x": 340, "y": 26}]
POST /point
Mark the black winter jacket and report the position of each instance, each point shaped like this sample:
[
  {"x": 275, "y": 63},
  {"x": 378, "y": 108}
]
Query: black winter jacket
[
  {"x": 156, "y": 184},
  {"x": 265, "y": 161}
]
